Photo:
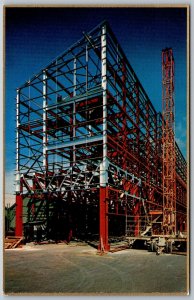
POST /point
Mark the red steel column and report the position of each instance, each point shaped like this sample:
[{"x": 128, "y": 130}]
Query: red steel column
[
  {"x": 19, "y": 213},
  {"x": 137, "y": 113},
  {"x": 19, "y": 188},
  {"x": 103, "y": 201},
  {"x": 136, "y": 219},
  {"x": 103, "y": 246},
  {"x": 19, "y": 219},
  {"x": 124, "y": 125}
]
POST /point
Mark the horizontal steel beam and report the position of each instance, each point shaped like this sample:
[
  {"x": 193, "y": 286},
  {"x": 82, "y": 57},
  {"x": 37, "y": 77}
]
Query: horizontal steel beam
[{"x": 75, "y": 143}]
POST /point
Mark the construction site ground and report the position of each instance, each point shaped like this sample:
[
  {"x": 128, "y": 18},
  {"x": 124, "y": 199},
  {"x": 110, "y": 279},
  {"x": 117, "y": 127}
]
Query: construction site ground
[{"x": 77, "y": 268}]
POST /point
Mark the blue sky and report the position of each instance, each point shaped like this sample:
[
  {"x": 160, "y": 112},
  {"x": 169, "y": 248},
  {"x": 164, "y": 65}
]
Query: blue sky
[{"x": 35, "y": 36}]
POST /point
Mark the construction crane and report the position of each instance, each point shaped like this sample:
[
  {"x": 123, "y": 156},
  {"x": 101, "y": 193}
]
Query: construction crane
[{"x": 169, "y": 155}]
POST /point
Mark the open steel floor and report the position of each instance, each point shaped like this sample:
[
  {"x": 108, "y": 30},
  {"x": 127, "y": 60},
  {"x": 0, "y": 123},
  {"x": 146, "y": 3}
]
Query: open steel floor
[{"x": 78, "y": 269}]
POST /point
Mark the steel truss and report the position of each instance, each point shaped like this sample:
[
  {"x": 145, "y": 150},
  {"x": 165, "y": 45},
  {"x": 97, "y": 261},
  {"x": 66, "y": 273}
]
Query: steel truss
[{"x": 89, "y": 146}]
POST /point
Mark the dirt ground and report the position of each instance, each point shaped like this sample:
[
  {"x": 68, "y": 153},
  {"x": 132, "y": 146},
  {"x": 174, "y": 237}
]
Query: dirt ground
[{"x": 78, "y": 269}]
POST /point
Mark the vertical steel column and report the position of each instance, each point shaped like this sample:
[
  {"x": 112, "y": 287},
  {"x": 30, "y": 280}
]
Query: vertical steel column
[
  {"x": 124, "y": 125},
  {"x": 45, "y": 163},
  {"x": 45, "y": 155},
  {"x": 86, "y": 67},
  {"x": 88, "y": 111},
  {"x": 74, "y": 106},
  {"x": 33, "y": 207},
  {"x": 103, "y": 246},
  {"x": 155, "y": 160},
  {"x": 136, "y": 219},
  {"x": 147, "y": 137},
  {"x": 17, "y": 142},
  {"x": 104, "y": 165},
  {"x": 19, "y": 214},
  {"x": 19, "y": 198},
  {"x": 137, "y": 169},
  {"x": 74, "y": 76},
  {"x": 137, "y": 113},
  {"x": 124, "y": 128},
  {"x": 104, "y": 88}
]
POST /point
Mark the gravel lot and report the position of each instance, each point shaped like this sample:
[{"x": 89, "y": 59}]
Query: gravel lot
[{"x": 77, "y": 269}]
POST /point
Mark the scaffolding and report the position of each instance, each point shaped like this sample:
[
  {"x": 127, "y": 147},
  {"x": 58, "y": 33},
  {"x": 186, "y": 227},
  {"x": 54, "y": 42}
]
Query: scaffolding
[{"x": 89, "y": 151}]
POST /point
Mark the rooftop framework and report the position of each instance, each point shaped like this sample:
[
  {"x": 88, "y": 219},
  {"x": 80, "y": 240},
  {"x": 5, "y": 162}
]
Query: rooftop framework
[{"x": 89, "y": 151}]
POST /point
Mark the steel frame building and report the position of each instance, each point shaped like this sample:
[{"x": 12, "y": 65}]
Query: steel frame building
[{"x": 89, "y": 148}]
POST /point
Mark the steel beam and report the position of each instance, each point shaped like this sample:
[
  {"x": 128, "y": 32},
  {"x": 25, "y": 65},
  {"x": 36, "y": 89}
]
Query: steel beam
[
  {"x": 44, "y": 120},
  {"x": 103, "y": 243},
  {"x": 19, "y": 213}
]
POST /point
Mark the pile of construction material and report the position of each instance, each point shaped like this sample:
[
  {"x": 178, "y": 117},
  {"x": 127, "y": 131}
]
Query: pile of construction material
[{"x": 12, "y": 242}]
